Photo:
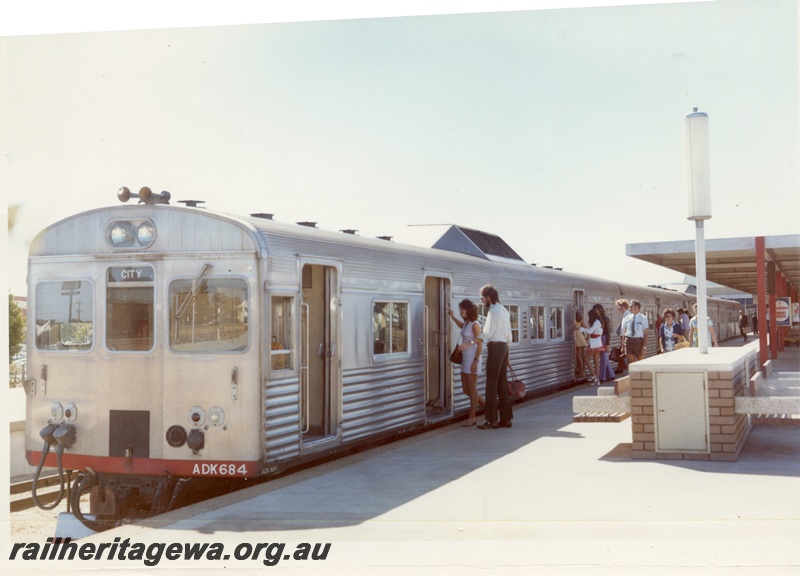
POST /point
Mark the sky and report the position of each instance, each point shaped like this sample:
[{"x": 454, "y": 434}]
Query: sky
[{"x": 560, "y": 130}]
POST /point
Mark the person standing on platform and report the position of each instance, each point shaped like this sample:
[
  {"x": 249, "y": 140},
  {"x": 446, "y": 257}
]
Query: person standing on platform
[
  {"x": 683, "y": 320},
  {"x": 580, "y": 346},
  {"x": 693, "y": 330},
  {"x": 606, "y": 371},
  {"x": 595, "y": 334},
  {"x": 623, "y": 307},
  {"x": 471, "y": 345},
  {"x": 755, "y": 323},
  {"x": 669, "y": 332},
  {"x": 743, "y": 325},
  {"x": 634, "y": 327},
  {"x": 497, "y": 336}
]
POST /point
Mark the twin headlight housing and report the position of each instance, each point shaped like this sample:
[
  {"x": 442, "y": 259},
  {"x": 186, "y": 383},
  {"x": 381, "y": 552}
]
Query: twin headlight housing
[{"x": 139, "y": 233}]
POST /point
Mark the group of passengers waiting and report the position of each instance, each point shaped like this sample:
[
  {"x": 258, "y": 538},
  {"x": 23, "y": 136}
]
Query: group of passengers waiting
[
  {"x": 675, "y": 330},
  {"x": 591, "y": 341}
]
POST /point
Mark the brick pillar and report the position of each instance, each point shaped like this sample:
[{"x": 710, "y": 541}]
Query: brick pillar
[
  {"x": 642, "y": 418},
  {"x": 727, "y": 430}
]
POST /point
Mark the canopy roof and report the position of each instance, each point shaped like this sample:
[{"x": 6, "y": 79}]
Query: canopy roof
[{"x": 729, "y": 261}]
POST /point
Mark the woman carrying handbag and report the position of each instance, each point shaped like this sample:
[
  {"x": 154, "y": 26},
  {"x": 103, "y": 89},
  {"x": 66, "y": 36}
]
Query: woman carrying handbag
[{"x": 470, "y": 347}]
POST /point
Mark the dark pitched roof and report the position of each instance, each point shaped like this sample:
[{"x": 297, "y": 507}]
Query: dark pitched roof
[
  {"x": 490, "y": 244},
  {"x": 462, "y": 241}
]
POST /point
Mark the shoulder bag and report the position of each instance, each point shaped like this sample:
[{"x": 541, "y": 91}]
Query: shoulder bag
[
  {"x": 516, "y": 387},
  {"x": 455, "y": 357}
]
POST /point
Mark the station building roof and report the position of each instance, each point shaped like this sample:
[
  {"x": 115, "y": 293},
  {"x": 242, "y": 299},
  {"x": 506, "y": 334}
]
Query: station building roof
[
  {"x": 730, "y": 262},
  {"x": 462, "y": 240}
]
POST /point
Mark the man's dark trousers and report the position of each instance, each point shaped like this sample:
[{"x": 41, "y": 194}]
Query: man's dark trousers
[{"x": 497, "y": 383}]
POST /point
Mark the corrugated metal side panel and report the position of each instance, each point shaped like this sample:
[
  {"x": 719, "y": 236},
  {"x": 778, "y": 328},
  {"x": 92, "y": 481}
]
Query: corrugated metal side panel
[
  {"x": 396, "y": 267},
  {"x": 545, "y": 366},
  {"x": 281, "y": 417},
  {"x": 380, "y": 398},
  {"x": 541, "y": 367}
]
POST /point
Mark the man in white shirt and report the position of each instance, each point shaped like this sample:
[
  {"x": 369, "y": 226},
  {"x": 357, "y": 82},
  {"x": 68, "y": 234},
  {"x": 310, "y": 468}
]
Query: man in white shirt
[
  {"x": 623, "y": 307},
  {"x": 634, "y": 328},
  {"x": 497, "y": 336}
]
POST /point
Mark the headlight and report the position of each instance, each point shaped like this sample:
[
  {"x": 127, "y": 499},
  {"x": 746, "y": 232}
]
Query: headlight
[
  {"x": 146, "y": 234},
  {"x": 121, "y": 234},
  {"x": 131, "y": 233}
]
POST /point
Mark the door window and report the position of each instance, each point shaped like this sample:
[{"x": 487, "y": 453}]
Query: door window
[
  {"x": 281, "y": 343},
  {"x": 129, "y": 308}
]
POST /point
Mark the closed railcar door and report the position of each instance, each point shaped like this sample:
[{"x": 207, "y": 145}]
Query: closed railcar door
[
  {"x": 133, "y": 359},
  {"x": 438, "y": 372},
  {"x": 319, "y": 377}
]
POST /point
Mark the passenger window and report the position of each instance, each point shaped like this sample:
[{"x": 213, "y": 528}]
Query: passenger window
[
  {"x": 513, "y": 312},
  {"x": 64, "y": 315},
  {"x": 481, "y": 316},
  {"x": 389, "y": 327},
  {"x": 209, "y": 315},
  {"x": 556, "y": 323},
  {"x": 129, "y": 308},
  {"x": 537, "y": 323},
  {"x": 281, "y": 344}
]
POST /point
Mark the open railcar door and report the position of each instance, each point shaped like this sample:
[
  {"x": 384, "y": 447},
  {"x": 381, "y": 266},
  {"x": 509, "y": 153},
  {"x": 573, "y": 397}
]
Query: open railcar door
[
  {"x": 436, "y": 345},
  {"x": 319, "y": 392}
]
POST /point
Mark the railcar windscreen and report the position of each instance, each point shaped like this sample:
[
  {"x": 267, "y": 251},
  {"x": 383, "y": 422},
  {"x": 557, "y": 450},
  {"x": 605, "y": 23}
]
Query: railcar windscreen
[
  {"x": 214, "y": 319},
  {"x": 64, "y": 315}
]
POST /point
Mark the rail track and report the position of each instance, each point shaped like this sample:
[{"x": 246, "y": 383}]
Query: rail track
[{"x": 47, "y": 491}]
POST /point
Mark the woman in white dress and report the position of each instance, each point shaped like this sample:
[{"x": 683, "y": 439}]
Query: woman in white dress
[{"x": 471, "y": 346}]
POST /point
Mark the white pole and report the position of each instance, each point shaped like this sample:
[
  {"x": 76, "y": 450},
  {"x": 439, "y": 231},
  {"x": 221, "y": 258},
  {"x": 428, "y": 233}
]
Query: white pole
[
  {"x": 702, "y": 305},
  {"x": 697, "y": 179}
]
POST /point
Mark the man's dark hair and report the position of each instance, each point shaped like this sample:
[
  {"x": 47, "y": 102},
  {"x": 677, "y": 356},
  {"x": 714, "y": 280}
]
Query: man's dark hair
[{"x": 490, "y": 292}]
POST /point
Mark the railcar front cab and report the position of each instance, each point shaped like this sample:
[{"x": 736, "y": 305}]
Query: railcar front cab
[{"x": 147, "y": 366}]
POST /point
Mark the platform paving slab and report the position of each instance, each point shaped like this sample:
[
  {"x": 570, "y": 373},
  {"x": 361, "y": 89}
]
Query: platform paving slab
[{"x": 547, "y": 496}]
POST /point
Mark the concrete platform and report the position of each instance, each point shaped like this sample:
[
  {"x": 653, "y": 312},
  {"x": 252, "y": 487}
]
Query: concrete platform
[{"x": 546, "y": 497}]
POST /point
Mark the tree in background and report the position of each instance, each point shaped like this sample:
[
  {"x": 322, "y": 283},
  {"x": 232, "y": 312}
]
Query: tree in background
[{"x": 16, "y": 328}]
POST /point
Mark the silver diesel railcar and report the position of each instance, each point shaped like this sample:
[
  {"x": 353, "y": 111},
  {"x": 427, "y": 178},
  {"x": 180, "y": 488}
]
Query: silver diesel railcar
[{"x": 170, "y": 343}]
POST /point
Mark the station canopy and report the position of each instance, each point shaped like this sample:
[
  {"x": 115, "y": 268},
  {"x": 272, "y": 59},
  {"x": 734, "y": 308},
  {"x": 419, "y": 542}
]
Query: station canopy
[{"x": 730, "y": 262}]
